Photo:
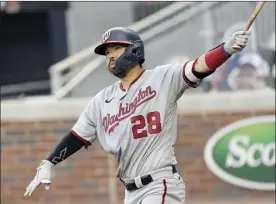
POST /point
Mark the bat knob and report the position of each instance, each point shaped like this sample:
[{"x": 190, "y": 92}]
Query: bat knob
[{"x": 236, "y": 47}]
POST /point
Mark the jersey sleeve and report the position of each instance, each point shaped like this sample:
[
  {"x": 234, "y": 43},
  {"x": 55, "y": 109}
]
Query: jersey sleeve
[
  {"x": 181, "y": 78},
  {"x": 85, "y": 127}
]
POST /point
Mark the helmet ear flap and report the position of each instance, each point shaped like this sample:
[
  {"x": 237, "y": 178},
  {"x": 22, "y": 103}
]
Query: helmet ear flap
[
  {"x": 132, "y": 55},
  {"x": 136, "y": 50},
  {"x": 132, "y": 48},
  {"x": 125, "y": 61}
]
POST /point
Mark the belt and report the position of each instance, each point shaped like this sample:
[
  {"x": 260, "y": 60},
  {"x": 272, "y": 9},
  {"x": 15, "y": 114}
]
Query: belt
[{"x": 145, "y": 180}]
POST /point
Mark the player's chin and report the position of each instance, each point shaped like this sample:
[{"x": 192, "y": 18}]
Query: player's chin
[{"x": 112, "y": 69}]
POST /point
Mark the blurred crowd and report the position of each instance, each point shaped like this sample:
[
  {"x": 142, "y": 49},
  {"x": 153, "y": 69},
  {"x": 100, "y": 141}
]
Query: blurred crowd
[{"x": 244, "y": 71}]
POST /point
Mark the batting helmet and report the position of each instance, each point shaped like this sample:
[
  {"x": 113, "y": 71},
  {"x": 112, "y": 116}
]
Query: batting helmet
[{"x": 134, "y": 52}]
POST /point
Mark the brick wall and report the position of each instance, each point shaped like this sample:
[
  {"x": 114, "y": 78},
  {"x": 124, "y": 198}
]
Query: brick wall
[{"x": 84, "y": 177}]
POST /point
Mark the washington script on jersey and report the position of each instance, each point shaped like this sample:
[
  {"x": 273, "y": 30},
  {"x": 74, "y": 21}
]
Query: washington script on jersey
[{"x": 110, "y": 122}]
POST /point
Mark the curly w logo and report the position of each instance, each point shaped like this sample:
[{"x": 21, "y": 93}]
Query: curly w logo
[{"x": 105, "y": 36}]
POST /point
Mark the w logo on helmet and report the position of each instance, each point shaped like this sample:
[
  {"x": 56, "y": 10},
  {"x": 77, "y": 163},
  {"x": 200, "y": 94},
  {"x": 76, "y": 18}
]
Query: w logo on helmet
[{"x": 105, "y": 36}]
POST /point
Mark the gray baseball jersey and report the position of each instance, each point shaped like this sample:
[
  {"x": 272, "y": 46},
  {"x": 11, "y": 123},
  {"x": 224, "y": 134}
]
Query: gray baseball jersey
[{"x": 138, "y": 125}]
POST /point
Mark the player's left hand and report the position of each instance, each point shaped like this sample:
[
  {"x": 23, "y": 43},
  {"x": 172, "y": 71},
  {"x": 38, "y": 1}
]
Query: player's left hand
[
  {"x": 43, "y": 176},
  {"x": 239, "y": 39}
]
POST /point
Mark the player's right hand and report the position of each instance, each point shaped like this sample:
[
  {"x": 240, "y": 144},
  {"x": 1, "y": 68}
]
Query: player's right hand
[
  {"x": 43, "y": 176},
  {"x": 239, "y": 39}
]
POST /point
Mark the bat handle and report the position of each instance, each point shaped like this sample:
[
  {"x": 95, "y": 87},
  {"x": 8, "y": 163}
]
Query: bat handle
[
  {"x": 236, "y": 47},
  {"x": 251, "y": 20}
]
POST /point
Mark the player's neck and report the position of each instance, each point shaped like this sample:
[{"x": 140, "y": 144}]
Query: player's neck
[{"x": 131, "y": 76}]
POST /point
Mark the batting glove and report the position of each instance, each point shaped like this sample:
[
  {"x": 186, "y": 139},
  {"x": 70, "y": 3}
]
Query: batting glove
[
  {"x": 43, "y": 176},
  {"x": 239, "y": 39}
]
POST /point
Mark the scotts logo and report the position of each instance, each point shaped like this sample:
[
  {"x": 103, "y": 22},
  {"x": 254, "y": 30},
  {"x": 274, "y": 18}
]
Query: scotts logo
[
  {"x": 243, "y": 153},
  {"x": 106, "y": 36}
]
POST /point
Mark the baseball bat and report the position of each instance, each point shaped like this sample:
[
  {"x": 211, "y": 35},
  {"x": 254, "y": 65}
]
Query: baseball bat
[{"x": 252, "y": 19}]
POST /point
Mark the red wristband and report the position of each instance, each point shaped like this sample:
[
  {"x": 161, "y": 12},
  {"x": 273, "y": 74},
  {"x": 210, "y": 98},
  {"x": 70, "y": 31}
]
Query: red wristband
[{"x": 216, "y": 57}]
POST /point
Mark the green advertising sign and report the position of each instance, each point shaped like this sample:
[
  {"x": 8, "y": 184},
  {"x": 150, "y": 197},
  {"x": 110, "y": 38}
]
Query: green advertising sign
[{"x": 243, "y": 153}]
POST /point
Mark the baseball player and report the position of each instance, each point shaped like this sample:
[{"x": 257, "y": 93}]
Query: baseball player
[{"x": 135, "y": 119}]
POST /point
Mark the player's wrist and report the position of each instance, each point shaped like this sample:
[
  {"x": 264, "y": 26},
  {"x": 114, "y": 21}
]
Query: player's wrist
[
  {"x": 46, "y": 164},
  {"x": 227, "y": 49}
]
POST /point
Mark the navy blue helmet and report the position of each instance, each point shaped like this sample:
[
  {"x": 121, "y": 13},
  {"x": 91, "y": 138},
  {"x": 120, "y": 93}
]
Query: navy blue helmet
[{"x": 134, "y": 53}]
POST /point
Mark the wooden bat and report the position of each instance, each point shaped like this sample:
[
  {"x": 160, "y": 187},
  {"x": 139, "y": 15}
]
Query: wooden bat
[{"x": 251, "y": 19}]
